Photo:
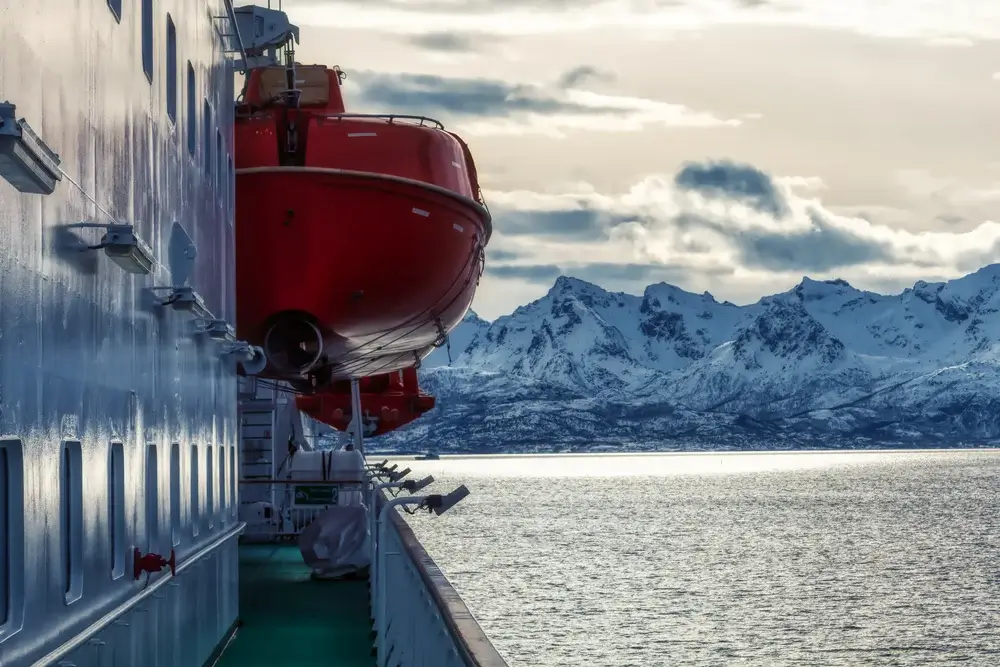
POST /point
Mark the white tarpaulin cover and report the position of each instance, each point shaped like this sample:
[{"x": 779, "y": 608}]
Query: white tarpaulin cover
[{"x": 336, "y": 542}]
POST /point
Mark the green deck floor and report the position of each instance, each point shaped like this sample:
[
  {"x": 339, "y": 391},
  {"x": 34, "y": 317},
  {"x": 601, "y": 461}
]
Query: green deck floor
[{"x": 291, "y": 620}]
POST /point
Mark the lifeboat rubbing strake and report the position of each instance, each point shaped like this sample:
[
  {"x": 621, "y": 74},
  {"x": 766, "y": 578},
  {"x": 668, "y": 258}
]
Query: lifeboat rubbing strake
[{"x": 359, "y": 237}]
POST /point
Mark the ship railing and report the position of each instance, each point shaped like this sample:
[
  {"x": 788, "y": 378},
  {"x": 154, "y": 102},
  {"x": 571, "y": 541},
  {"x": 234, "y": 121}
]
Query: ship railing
[
  {"x": 426, "y": 620},
  {"x": 282, "y": 508},
  {"x": 391, "y": 118}
]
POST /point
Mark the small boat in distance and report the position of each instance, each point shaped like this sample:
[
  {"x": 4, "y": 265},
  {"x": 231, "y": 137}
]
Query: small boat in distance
[{"x": 429, "y": 456}]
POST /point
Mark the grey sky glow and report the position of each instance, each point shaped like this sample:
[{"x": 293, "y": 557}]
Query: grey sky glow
[{"x": 724, "y": 145}]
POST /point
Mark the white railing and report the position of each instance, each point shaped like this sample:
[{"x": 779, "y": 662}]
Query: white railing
[{"x": 424, "y": 621}]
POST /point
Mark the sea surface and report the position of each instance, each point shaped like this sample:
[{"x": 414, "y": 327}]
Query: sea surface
[{"x": 770, "y": 559}]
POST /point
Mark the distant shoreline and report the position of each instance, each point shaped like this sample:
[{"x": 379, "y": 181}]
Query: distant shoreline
[{"x": 707, "y": 452}]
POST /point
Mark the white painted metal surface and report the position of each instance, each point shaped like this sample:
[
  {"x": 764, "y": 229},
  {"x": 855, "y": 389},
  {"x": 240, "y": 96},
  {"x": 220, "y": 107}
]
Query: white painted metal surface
[{"x": 119, "y": 427}]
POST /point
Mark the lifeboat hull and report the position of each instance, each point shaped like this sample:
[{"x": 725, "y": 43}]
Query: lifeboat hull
[
  {"x": 388, "y": 402},
  {"x": 382, "y": 267},
  {"x": 359, "y": 237}
]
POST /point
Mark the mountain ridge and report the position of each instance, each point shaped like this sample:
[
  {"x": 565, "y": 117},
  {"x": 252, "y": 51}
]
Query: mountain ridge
[{"x": 821, "y": 364}]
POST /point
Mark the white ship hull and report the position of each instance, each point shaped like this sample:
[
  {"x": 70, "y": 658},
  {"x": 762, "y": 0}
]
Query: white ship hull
[{"x": 86, "y": 360}]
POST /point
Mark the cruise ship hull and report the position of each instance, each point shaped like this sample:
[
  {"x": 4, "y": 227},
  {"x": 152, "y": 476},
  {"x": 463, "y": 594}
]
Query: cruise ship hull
[{"x": 118, "y": 426}]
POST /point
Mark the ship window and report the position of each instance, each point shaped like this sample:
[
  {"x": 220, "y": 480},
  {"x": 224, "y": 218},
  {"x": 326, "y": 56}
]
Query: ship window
[
  {"x": 171, "y": 69},
  {"x": 152, "y": 498},
  {"x": 194, "y": 490},
  {"x": 175, "y": 494},
  {"x": 233, "y": 500},
  {"x": 147, "y": 39},
  {"x": 116, "y": 8},
  {"x": 222, "y": 483},
  {"x": 209, "y": 491},
  {"x": 220, "y": 170},
  {"x": 206, "y": 122},
  {"x": 11, "y": 536},
  {"x": 5, "y": 537},
  {"x": 230, "y": 191},
  {"x": 192, "y": 111},
  {"x": 72, "y": 519},
  {"x": 116, "y": 508}
]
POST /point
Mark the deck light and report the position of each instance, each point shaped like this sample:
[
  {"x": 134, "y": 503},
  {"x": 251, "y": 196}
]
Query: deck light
[
  {"x": 187, "y": 299},
  {"x": 25, "y": 161},
  {"x": 126, "y": 249},
  {"x": 217, "y": 330}
]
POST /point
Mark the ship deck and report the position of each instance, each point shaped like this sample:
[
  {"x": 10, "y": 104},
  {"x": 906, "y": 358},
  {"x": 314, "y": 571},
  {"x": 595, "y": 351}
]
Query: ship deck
[{"x": 289, "y": 619}]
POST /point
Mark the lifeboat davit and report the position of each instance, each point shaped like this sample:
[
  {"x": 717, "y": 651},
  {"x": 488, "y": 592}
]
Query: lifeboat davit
[
  {"x": 388, "y": 401},
  {"x": 360, "y": 238}
]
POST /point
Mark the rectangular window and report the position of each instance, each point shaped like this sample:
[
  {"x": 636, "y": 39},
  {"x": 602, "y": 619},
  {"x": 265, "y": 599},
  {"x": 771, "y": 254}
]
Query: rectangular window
[
  {"x": 207, "y": 140},
  {"x": 192, "y": 112},
  {"x": 222, "y": 484},
  {"x": 147, "y": 39},
  {"x": 233, "y": 500},
  {"x": 116, "y": 8},
  {"x": 152, "y": 499},
  {"x": 171, "y": 70},
  {"x": 194, "y": 490},
  {"x": 4, "y": 538},
  {"x": 220, "y": 167},
  {"x": 175, "y": 494},
  {"x": 11, "y": 536},
  {"x": 209, "y": 491},
  {"x": 116, "y": 508},
  {"x": 71, "y": 499}
]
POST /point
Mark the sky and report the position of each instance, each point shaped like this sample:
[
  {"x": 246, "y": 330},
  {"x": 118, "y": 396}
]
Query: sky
[{"x": 729, "y": 146}]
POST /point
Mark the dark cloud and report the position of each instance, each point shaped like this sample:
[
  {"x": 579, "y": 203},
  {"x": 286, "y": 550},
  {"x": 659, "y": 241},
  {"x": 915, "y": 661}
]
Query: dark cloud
[
  {"x": 601, "y": 273},
  {"x": 583, "y": 74},
  {"x": 536, "y": 273},
  {"x": 823, "y": 247},
  {"x": 444, "y": 41},
  {"x": 578, "y": 224},
  {"x": 474, "y": 97},
  {"x": 730, "y": 180},
  {"x": 500, "y": 255},
  {"x": 453, "y": 42}
]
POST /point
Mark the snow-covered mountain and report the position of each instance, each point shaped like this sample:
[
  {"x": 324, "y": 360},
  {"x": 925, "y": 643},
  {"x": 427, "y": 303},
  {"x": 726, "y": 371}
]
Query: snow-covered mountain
[{"x": 823, "y": 364}]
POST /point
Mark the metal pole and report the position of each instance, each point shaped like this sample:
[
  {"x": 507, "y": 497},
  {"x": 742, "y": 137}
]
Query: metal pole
[{"x": 356, "y": 416}]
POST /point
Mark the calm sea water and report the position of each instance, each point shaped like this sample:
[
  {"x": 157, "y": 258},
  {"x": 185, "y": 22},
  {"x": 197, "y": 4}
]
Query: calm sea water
[{"x": 768, "y": 559}]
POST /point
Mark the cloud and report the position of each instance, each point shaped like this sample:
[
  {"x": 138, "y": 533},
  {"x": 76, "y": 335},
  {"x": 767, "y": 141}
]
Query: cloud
[
  {"x": 578, "y": 76},
  {"x": 723, "y": 226},
  {"x": 935, "y": 21},
  {"x": 492, "y": 106},
  {"x": 452, "y": 42},
  {"x": 741, "y": 182}
]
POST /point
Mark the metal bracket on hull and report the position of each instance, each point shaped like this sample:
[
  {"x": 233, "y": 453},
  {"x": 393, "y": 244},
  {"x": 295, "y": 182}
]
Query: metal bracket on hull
[
  {"x": 216, "y": 329},
  {"x": 124, "y": 247},
  {"x": 263, "y": 32},
  {"x": 25, "y": 161},
  {"x": 184, "y": 298}
]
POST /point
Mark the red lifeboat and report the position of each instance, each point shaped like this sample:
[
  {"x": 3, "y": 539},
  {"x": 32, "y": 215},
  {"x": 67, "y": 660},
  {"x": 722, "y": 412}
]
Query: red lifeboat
[
  {"x": 389, "y": 401},
  {"x": 359, "y": 238}
]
